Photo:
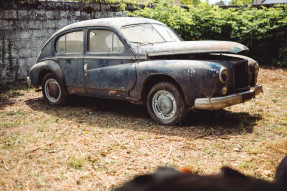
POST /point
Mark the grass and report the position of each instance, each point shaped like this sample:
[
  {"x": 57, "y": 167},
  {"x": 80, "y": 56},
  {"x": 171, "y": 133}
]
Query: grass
[
  {"x": 99, "y": 144},
  {"x": 76, "y": 163}
]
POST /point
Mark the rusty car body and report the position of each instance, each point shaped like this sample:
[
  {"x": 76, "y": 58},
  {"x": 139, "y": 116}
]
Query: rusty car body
[{"x": 145, "y": 62}]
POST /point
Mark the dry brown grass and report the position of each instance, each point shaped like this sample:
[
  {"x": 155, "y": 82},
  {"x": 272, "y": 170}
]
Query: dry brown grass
[{"x": 99, "y": 144}]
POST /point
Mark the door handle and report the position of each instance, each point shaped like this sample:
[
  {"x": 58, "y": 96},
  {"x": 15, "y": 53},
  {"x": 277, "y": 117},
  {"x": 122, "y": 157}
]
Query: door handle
[{"x": 85, "y": 66}]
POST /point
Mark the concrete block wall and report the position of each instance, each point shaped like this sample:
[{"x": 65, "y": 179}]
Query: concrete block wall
[{"x": 29, "y": 25}]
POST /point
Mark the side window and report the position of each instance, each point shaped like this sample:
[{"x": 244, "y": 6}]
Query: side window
[
  {"x": 70, "y": 43},
  {"x": 104, "y": 41},
  {"x": 60, "y": 44}
]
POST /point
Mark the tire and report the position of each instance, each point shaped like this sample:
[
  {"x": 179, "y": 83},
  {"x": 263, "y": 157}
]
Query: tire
[
  {"x": 165, "y": 104},
  {"x": 52, "y": 90}
]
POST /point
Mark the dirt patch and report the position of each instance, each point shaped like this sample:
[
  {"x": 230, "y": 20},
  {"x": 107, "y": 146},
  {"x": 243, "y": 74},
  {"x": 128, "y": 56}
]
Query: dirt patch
[{"x": 99, "y": 144}]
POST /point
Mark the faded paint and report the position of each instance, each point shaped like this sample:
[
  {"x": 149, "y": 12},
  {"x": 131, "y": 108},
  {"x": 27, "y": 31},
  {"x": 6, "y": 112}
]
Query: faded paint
[
  {"x": 193, "y": 66},
  {"x": 192, "y": 47}
]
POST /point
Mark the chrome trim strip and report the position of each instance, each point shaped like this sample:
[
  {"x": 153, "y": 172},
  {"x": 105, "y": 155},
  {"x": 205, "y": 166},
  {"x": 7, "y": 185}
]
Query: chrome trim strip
[
  {"x": 110, "y": 57},
  {"x": 97, "y": 57}
]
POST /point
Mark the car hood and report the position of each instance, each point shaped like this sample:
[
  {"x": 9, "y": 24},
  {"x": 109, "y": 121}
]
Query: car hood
[{"x": 196, "y": 47}]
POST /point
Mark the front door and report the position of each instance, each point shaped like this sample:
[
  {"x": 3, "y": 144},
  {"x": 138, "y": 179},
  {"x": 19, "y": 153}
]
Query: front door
[{"x": 109, "y": 65}]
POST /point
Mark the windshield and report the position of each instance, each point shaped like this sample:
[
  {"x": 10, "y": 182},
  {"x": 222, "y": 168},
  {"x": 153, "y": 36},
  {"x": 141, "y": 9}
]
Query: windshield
[{"x": 149, "y": 34}]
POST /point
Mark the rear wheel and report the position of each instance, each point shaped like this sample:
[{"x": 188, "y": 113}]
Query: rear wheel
[
  {"x": 165, "y": 104},
  {"x": 52, "y": 90}
]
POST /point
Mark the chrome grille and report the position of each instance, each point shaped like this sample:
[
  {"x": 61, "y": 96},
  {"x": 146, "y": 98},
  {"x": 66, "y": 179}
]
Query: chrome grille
[{"x": 240, "y": 73}]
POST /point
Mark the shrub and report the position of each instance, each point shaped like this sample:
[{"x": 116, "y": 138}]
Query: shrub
[{"x": 263, "y": 29}]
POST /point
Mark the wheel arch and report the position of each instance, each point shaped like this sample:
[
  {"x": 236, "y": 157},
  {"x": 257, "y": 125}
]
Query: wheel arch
[
  {"x": 39, "y": 70},
  {"x": 154, "y": 79},
  {"x": 42, "y": 74}
]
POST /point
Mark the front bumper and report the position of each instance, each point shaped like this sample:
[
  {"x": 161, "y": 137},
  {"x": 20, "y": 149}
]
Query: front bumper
[{"x": 215, "y": 103}]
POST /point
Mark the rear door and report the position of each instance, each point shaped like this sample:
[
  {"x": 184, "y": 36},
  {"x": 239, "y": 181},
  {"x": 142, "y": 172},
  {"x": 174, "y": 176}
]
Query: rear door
[{"x": 69, "y": 54}]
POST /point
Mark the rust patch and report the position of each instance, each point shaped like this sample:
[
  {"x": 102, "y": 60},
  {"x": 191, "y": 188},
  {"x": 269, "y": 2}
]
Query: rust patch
[{"x": 112, "y": 91}]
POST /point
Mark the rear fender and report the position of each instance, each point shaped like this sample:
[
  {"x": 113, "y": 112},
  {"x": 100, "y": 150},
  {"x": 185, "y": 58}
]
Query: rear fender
[{"x": 39, "y": 70}]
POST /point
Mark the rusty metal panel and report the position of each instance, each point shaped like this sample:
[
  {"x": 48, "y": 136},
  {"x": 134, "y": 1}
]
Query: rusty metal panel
[
  {"x": 196, "y": 78},
  {"x": 73, "y": 70},
  {"x": 195, "y": 47},
  {"x": 119, "y": 75}
]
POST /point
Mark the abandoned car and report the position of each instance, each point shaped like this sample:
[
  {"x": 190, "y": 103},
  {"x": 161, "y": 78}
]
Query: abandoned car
[{"x": 143, "y": 61}]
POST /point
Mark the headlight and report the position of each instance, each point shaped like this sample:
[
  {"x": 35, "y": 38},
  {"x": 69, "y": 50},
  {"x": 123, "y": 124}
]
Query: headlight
[{"x": 223, "y": 74}]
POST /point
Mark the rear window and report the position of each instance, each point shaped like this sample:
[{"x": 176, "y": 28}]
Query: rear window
[{"x": 70, "y": 42}]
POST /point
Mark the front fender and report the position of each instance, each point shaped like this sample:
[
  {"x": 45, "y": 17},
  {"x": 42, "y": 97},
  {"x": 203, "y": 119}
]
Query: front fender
[
  {"x": 40, "y": 69},
  {"x": 195, "y": 78}
]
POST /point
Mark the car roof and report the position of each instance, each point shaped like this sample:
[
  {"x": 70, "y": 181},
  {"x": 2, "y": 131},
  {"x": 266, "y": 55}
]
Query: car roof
[{"x": 115, "y": 22}]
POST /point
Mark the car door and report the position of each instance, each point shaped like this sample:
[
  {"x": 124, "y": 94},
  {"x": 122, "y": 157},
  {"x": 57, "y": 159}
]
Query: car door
[
  {"x": 69, "y": 54},
  {"x": 109, "y": 64}
]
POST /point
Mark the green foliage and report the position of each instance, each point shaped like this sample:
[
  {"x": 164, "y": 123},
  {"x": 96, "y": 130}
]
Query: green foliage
[
  {"x": 3, "y": 54},
  {"x": 3, "y": 51},
  {"x": 105, "y": 1},
  {"x": 10, "y": 59},
  {"x": 262, "y": 30},
  {"x": 240, "y": 2},
  {"x": 112, "y": 1},
  {"x": 189, "y": 2},
  {"x": 16, "y": 69},
  {"x": 221, "y": 2},
  {"x": 122, "y": 4},
  {"x": 11, "y": 68},
  {"x": 76, "y": 163}
]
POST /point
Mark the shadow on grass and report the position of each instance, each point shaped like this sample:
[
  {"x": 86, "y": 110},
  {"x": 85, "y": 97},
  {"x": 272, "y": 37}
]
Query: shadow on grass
[
  {"x": 7, "y": 93},
  {"x": 106, "y": 113},
  {"x": 4, "y": 101}
]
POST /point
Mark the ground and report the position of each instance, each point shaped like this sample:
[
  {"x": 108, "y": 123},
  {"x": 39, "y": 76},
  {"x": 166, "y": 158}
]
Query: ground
[{"x": 97, "y": 144}]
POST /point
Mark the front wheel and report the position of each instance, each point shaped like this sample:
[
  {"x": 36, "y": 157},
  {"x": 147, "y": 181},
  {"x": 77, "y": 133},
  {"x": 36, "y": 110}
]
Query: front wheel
[
  {"x": 52, "y": 91},
  {"x": 165, "y": 104}
]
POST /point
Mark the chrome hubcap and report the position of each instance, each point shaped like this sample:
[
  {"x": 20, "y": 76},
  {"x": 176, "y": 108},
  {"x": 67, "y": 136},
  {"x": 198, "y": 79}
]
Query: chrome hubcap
[
  {"x": 52, "y": 90},
  {"x": 163, "y": 104}
]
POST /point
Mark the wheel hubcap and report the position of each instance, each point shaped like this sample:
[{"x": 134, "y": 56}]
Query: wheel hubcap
[
  {"x": 164, "y": 104},
  {"x": 52, "y": 90}
]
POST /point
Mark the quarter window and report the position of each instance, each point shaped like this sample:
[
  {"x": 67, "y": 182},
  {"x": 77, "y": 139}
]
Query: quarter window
[
  {"x": 70, "y": 43},
  {"x": 104, "y": 41}
]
